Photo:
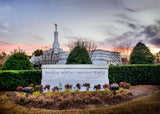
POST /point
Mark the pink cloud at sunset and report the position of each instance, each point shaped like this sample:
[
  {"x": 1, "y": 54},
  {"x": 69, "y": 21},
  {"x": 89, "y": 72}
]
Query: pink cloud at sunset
[{"x": 7, "y": 47}]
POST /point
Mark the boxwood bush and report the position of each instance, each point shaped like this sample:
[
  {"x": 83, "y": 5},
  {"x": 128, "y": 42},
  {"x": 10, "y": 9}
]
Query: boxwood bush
[
  {"x": 135, "y": 74},
  {"x": 11, "y": 79}
]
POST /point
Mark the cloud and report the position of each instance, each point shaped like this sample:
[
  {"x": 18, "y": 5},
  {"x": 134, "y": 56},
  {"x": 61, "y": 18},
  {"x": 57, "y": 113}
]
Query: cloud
[
  {"x": 148, "y": 34},
  {"x": 8, "y": 47},
  {"x": 4, "y": 31},
  {"x": 150, "y": 31},
  {"x": 4, "y": 43},
  {"x": 131, "y": 10},
  {"x": 6, "y": 25},
  {"x": 155, "y": 41},
  {"x": 143, "y": 7},
  {"x": 37, "y": 37},
  {"x": 5, "y": 9},
  {"x": 124, "y": 17},
  {"x": 4, "y": 28},
  {"x": 131, "y": 25}
]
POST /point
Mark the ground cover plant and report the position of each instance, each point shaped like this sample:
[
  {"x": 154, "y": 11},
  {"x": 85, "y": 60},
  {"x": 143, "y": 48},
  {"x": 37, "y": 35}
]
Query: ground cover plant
[
  {"x": 142, "y": 105},
  {"x": 69, "y": 100}
]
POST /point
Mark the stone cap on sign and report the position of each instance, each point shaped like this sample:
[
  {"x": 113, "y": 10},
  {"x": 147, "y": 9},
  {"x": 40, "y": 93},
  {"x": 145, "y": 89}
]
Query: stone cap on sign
[{"x": 78, "y": 66}]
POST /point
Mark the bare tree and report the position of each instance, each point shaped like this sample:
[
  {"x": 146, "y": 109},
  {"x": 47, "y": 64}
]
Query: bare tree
[
  {"x": 19, "y": 50},
  {"x": 157, "y": 58},
  {"x": 48, "y": 57},
  {"x": 125, "y": 49},
  {"x": 115, "y": 56},
  {"x": 3, "y": 58},
  {"x": 86, "y": 43}
]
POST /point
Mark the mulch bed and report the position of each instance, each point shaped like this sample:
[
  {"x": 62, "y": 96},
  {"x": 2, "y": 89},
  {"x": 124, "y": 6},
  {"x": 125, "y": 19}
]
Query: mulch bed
[{"x": 82, "y": 100}]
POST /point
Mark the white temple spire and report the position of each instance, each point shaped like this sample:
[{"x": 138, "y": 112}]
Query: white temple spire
[{"x": 56, "y": 43}]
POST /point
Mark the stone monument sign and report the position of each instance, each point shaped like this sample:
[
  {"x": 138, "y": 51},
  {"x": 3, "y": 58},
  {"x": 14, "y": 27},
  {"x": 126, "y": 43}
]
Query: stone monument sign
[{"x": 56, "y": 75}]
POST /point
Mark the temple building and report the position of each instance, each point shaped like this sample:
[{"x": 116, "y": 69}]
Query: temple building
[{"x": 56, "y": 55}]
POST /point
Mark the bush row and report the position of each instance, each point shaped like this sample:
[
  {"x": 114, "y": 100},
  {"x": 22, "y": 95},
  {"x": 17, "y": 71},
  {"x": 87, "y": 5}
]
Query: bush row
[
  {"x": 11, "y": 79},
  {"x": 135, "y": 74}
]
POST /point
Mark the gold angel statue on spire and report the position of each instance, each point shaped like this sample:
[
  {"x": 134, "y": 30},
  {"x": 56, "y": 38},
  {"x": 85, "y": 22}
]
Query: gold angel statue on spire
[{"x": 56, "y": 26}]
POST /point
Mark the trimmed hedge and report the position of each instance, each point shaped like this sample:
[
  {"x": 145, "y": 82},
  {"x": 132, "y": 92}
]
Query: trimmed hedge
[
  {"x": 135, "y": 74},
  {"x": 11, "y": 79}
]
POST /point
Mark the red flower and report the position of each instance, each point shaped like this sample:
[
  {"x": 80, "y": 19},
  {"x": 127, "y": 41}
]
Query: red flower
[
  {"x": 106, "y": 86},
  {"x": 67, "y": 86},
  {"x": 47, "y": 87},
  {"x": 19, "y": 88},
  {"x": 123, "y": 84},
  {"x": 78, "y": 86},
  {"x": 55, "y": 88},
  {"x": 97, "y": 87}
]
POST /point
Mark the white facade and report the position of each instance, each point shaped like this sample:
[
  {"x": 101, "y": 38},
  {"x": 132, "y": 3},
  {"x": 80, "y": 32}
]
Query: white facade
[{"x": 57, "y": 56}]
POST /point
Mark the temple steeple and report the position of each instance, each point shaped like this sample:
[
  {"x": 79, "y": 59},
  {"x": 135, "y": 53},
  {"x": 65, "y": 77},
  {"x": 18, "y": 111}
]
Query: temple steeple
[{"x": 56, "y": 43}]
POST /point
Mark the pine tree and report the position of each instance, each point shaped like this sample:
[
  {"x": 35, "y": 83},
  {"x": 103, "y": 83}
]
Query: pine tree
[
  {"x": 79, "y": 55},
  {"x": 141, "y": 55}
]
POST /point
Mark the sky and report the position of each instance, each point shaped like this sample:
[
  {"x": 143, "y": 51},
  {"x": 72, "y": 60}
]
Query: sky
[{"x": 29, "y": 24}]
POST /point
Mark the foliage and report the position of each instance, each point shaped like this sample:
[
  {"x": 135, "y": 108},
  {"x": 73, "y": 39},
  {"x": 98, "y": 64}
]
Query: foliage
[
  {"x": 143, "y": 105},
  {"x": 68, "y": 99},
  {"x": 36, "y": 93},
  {"x": 97, "y": 87},
  {"x": 17, "y": 61},
  {"x": 121, "y": 90},
  {"x": 47, "y": 87},
  {"x": 11, "y": 79},
  {"x": 87, "y": 85},
  {"x": 141, "y": 55},
  {"x": 106, "y": 91},
  {"x": 105, "y": 86},
  {"x": 19, "y": 88},
  {"x": 135, "y": 74},
  {"x": 78, "y": 85},
  {"x": 19, "y": 50},
  {"x": 67, "y": 86},
  {"x": 124, "y": 49},
  {"x": 157, "y": 58},
  {"x": 2, "y": 54},
  {"x": 30, "y": 85},
  {"x": 79, "y": 55},
  {"x": 55, "y": 89},
  {"x": 37, "y": 52},
  {"x": 123, "y": 84},
  {"x": 48, "y": 93},
  {"x": 88, "y": 44},
  {"x": 128, "y": 86},
  {"x": 38, "y": 88}
]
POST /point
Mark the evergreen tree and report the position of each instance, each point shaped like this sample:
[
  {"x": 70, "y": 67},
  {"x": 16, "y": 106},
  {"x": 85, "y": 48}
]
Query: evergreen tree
[
  {"x": 79, "y": 55},
  {"x": 17, "y": 61},
  {"x": 141, "y": 55}
]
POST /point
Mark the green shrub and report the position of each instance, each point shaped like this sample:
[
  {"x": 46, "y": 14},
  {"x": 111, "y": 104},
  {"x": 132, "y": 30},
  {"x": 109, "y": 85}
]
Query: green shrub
[
  {"x": 135, "y": 74},
  {"x": 141, "y": 55},
  {"x": 79, "y": 55},
  {"x": 17, "y": 61},
  {"x": 11, "y": 79}
]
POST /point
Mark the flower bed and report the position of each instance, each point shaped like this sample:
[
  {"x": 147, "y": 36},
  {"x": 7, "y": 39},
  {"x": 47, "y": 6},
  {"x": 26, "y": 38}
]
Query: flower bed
[{"x": 70, "y": 100}]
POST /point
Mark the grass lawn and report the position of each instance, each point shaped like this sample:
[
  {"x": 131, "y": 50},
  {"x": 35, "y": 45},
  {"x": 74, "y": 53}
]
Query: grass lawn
[{"x": 143, "y": 105}]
